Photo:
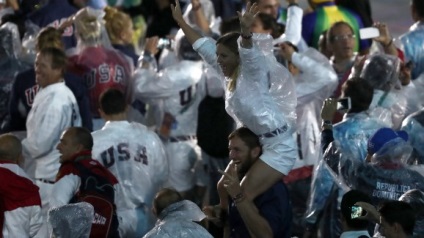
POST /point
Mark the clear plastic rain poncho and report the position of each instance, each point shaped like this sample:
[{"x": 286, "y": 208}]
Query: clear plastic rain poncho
[
  {"x": 323, "y": 206},
  {"x": 414, "y": 126},
  {"x": 10, "y": 64},
  {"x": 314, "y": 84},
  {"x": 266, "y": 82},
  {"x": 350, "y": 142},
  {"x": 71, "y": 221},
  {"x": 178, "y": 221},
  {"x": 411, "y": 45},
  {"x": 179, "y": 88},
  {"x": 381, "y": 71},
  {"x": 264, "y": 98},
  {"x": 29, "y": 41},
  {"x": 386, "y": 177}
]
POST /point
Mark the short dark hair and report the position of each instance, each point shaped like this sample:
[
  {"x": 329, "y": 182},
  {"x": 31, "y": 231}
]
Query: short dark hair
[
  {"x": 58, "y": 57},
  {"x": 348, "y": 200},
  {"x": 10, "y": 147},
  {"x": 230, "y": 41},
  {"x": 164, "y": 198},
  {"x": 228, "y": 25},
  {"x": 82, "y": 136},
  {"x": 360, "y": 93},
  {"x": 330, "y": 31},
  {"x": 399, "y": 212},
  {"x": 247, "y": 136},
  {"x": 49, "y": 37},
  {"x": 112, "y": 101},
  {"x": 419, "y": 7}
]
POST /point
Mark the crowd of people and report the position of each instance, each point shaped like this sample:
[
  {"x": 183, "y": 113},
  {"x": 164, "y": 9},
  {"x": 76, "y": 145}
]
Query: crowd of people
[{"x": 209, "y": 118}]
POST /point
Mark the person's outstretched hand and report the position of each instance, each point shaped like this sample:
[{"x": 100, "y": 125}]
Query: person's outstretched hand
[
  {"x": 385, "y": 37},
  {"x": 177, "y": 13},
  {"x": 248, "y": 17}
]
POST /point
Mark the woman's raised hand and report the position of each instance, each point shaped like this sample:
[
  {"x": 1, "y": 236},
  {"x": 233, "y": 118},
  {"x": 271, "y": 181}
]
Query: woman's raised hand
[{"x": 248, "y": 17}]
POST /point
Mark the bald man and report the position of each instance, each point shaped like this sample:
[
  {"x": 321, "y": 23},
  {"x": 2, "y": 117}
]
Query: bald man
[{"x": 20, "y": 202}]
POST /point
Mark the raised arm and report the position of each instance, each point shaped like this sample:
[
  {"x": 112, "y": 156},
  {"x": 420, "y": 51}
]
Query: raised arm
[
  {"x": 385, "y": 39},
  {"x": 190, "y": 33},
  {"x": 293, "y": 32},
  {"x": 201, "y": 21},
  {"x": 246, "y": 22}
]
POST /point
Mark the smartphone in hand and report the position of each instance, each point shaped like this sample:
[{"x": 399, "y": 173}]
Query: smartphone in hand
[{"x": 368, "y": 33}]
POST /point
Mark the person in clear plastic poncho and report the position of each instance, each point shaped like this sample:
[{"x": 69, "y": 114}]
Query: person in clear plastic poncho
[
  {"x": 176, "y": 217},
  {"x": 175, "y": 94},
  {"x": 386, "y": 175},
  {"x": 260, "y": 95},
  {"x": 10, "y": 65},
  {"x": 71, "y": 221},
  {"x": 391, "y": 102},
  {"x": 350, "y": 140},
  {"x": 411, "y": 42},
  {"x": 414, "y": 126}
]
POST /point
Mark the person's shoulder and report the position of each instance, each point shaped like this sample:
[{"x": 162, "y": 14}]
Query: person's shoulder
[
  {"x": 66, "y": 169},
  {"x": 278, "y": 190}
]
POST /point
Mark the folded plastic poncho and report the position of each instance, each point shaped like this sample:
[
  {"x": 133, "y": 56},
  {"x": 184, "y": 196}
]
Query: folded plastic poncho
[
  {"x": 178, "y": 221},
  {"x": 381, "y": 71},
  {"x": 71, "y": 221}
]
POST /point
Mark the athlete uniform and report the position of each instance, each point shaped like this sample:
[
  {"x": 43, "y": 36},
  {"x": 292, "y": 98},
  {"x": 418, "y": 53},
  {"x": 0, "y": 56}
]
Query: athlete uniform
[
  {"x": 101, "y": 68},
  {"x": 24, "y": 89},
  {"x": 20, "y": 204},
  {"x": 314, "y": 84},
  {"x": 264, "y": 99},
  {"x": 54, "y": 109},
  {"x": 178, "y": 91},
  {"x": 138, "y": 160},
  {"x": 53, "y": 14}
]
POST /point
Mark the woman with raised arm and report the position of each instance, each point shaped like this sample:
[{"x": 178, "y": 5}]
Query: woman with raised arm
[{"x": 260, "y": 95}]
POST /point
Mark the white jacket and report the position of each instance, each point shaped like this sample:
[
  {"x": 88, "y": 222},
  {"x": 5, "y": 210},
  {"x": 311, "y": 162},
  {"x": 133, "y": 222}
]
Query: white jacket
[{"x": 54, "y": 109}]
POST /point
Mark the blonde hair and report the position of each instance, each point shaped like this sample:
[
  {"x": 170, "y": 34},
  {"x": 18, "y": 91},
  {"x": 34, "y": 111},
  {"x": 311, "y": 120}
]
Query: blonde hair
[
  {"x": 233, "y": 80},
  {"x": 87, "y": 26},
  {"x": 116, "y": 22}
]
